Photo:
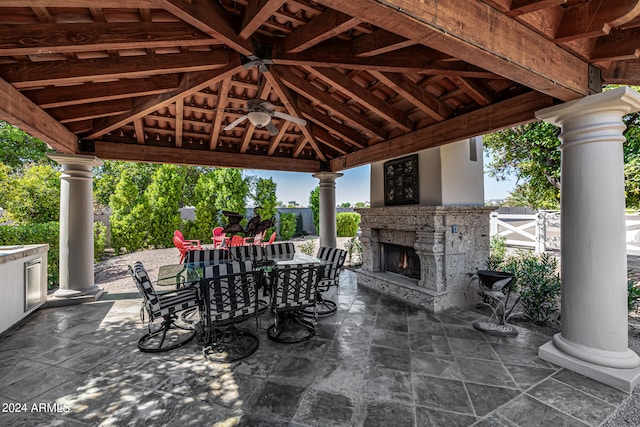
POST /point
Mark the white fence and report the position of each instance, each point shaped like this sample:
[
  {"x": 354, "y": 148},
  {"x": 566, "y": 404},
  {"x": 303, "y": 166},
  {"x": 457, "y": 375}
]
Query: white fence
[{"x": 541, "y": 231}]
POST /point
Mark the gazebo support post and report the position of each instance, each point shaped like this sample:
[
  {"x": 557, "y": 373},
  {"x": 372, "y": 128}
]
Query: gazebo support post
[
  {"x": 594, "y": 335},
  {"x": 327, "y": 230}
]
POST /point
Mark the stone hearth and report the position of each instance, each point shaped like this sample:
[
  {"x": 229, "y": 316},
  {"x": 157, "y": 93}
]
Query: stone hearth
[{"x": 452, "y": 242}]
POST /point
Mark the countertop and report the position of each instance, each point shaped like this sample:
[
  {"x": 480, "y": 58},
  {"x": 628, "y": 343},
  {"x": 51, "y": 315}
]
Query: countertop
[{"x": 15, "y": 252}]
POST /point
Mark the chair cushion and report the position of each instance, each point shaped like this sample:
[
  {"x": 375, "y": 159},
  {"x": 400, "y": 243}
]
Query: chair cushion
[
  {"x": 206, "y": 255},
  {"x": 294, "y": 287}
]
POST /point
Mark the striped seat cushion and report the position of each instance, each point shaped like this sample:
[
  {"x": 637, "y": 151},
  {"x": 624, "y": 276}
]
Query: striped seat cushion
[
  {"x": 246, "y": 252},
  {"x": 206, "y": 255},
  {"x": 331, "y": 272},
  {"x": 294, "y": 287},
  {"x": 279, "y": 250}
]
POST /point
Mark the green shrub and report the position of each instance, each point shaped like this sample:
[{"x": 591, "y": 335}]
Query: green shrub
[
  {"x": 299, "y": 226},
  {"x": 308, "y": 247},
  {"x": 287, "y": 225},
  {"x": 633, "y": 295},
  {"x": 497, "y": 251},
  {"x": 314, "y": 204},
  {"x": 37, "y": 233},
  {"x": 99, "y": 240},
  {"x": 347, "y": 223},
  {"x": 538, "y": 284}
]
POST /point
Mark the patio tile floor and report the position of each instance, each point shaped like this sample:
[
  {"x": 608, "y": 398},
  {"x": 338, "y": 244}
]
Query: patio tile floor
[{"x": 377, "y": 362}]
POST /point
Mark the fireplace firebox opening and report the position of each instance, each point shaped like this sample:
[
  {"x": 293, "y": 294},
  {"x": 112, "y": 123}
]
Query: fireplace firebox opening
[{"x": 401, "y": 260}]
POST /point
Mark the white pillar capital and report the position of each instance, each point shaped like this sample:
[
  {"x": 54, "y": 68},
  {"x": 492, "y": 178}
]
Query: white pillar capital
[
  {"x": 594, "y": 336},
  {"x": 328, "y": 233},
  {"x": 76, "y": 224}
]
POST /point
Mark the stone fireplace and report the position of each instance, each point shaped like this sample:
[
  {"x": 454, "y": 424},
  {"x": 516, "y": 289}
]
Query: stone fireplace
[{"x": 424, "y": 255}]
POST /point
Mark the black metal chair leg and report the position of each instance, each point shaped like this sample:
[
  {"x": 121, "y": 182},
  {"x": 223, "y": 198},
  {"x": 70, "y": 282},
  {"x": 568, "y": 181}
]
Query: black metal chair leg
[
  {"x": 324, "y": 307},
  {"x": 161, "y": 340},
  {"x": 291, "y": 329},
  {"x": 230, "y": 344}
]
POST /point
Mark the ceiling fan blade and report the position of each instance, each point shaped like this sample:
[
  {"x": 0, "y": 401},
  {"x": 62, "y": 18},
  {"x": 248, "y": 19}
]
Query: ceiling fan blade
[
  {"x": 296, "y": 120},
  {"x": 236, "y": 122},
  {"x": 273, "y": 130}
]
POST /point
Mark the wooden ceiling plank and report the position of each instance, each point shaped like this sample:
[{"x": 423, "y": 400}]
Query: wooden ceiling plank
[
  {"x": 591, "y": 19},
  {"x": 480, "y": 94},
  {"x": 209, "y": 17},
  {"x": 248, "y": 132},
  {"x": 415, "y": 94},
  {"x": 139, "y": 129},
  {"x": 172, "y": 155},
  {"x": 330, "y": 141},
  {"x": 516, "y": 110},
  {"x": 459, "y": 28},
  {"x": 179, "y": 121},
  {"x": 302, "y": 86},
  {"x": 74, "y": 113},
  {"x": 190, "y": 83},
  {"x": 379, "y": 42},
  {"x": 256, "y": 13},
  {"x": 18, "y": 110},
  {"x": 60, "y": 96},
  {"x": 121, "y": 4},
  {"x": 334, "y": 78},
  {"x": 345, "y": 132},
  {"x": 618, "y": 45},
  {"x": 23, "y": 76},
  {"x": 43, "y": 14},
  {"x": 219, "y": 114},
  {"x": 520, "y": 7},
  {"x": 36, "y": 39},
  {"x": 327, "y": 25},
  {"x": 289, "y": 102}
]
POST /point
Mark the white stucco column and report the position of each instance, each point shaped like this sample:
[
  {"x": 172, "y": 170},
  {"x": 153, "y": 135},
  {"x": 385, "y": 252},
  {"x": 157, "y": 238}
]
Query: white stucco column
[
  {"x": 76, "y": 224},
  {"x": 327, "y": 207},
  {"x": 594, "y": 336}
]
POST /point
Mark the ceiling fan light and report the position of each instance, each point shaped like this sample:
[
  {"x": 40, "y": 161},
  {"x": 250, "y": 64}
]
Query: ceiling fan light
[{"x": 259, "y": 118}]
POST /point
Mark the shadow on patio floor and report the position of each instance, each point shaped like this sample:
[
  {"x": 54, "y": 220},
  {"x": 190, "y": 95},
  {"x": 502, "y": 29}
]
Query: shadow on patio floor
[{"x": 377, "y": 362}]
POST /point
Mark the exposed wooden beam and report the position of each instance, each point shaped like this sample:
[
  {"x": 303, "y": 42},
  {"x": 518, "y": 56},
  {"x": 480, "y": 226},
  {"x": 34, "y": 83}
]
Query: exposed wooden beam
[
  {"x": 504, "y": 47},
  {"x": 336, "y": 79},
  {"x": 190, "y": 83},
  {"x": 415, "y": 94},
  {"x": 314, "y": 94},
  {"x": 330, "y": 141},
  {"x": 480, "y": 94},
  {"x": 123, "y": 4},
  {"x": 256, "y": 13},
  {"x": 623, "y": 72},
  {"x": 595, "y": 18},
  {"x": 327, "y": 25},
  {"x": 75, "y": 113},
  {"x": 345, "y": 132},
  {"x": 172, "y": 155},
  {"x": 273, "y": 144},
  {"x": 23, "y": 76},
  {"x": 139, "y": 129},
  {"x": 179, "y": 121},
  {"x": 35, "y": 39},
  {"x": 618, "y": 45},
  {"x": 517, "y": 110},
  {"x": 18, "y": 110},
  {"x": 379, "y": 42},
  {"x": 289, "y": 101},
  {"x": 61, "y": 96},
  {"x": 225, "y": 85},
  {"x": 520, "y": 7},
  {"x": 413, "y": 59},
  {"x": 209, "y": 17}
]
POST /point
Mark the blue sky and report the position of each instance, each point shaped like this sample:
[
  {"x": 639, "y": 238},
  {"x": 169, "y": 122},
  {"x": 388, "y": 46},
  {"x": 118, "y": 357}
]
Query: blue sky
[{"x": 353, "y": 186}]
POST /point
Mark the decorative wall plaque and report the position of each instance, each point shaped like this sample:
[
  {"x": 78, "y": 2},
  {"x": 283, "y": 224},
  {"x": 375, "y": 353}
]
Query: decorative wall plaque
[{"x": 401, "y": 181}]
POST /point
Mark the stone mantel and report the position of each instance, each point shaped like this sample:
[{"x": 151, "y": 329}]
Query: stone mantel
[{"x": 452, "y": 243}]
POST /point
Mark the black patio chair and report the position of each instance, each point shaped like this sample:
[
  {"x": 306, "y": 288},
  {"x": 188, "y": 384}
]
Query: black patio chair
[
  {"x": 293, "y": 289},
  {"x": 208, "y": 256},
  {"x": 246, "y": 252},
  {"x": 229, "y": 296},
  {"x": 333, "y": 260},
  {"x": 167, "y": 306},
  {"x": 279, "y": 250}
]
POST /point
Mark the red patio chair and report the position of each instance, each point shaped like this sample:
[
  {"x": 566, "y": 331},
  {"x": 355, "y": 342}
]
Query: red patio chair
[
  {"x": 236, "y": 241},
  {"x": 187, "y": 242},
  {"x": 271, "y": 239},
  {"x": 184, "y": 245},
  {"x": 218, "y": 237}
]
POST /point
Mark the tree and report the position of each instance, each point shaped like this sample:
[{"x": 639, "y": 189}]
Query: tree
[
  {"x": 128, "y": 217},
  {"x": 265, "y": 196},
  {"x": 531, "y": 153},
  {"x": 362, "y": 204},
  {"x": 163, "y": 198},
  {"x": 18, "y": 147},
  {"x": 232, "y": 189},
  {"x": 107, "y": 176},
  {"x": 345, "y": 205},
  {"x": 31, "y": 194},
  {"x": 293, "y": 204},
  {"x": 314, "y": 204},
  {"x": 205, "y": 196}
]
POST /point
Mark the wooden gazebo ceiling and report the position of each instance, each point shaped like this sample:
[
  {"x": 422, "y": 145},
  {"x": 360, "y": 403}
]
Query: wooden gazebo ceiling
[{"x": 158, "y": 80}]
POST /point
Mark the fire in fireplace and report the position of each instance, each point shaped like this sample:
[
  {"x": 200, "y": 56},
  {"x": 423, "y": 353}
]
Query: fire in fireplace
[{"x": 400, "y": 260}]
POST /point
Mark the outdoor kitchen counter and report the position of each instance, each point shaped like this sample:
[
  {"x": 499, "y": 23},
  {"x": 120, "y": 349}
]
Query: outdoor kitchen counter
[{"x": 23, "y": 282}]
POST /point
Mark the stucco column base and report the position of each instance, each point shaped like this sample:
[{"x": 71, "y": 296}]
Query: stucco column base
[{"x": 621, "y": 379}]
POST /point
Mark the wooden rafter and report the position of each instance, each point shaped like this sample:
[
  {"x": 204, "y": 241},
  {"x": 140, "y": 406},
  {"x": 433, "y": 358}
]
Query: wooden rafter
[
  {"x": 87, "y": 70},
  {"x": 437, "y": 25},
  {"x": 139, "y": 129},
  {"x": 476, "y": 91},
  {"x": 74, "y": 113},
  {"x": 219, "y": 114},
  {"x": 146, "y": 4},
  {"x": 330, "y": 141},
  {"x": 591, "y": 19},
  {"x": 618, "y": 45},
  {"x": 209, "y": 17},
  {"x": 517, "y": 110},
  {"x": 519, "y": 7},
  {"x": 379, "y": 42},
  {"x": 335, "y": 78},
  {"x": 256, "y": 13},
  {"x": 179, "y": 121},
  {"x": 275, "y": 142},
  {"x": 189, "y": 84},
  {"x": 345, "y": 132},
  {"x": 323, "y": 27},
  {"x": 627, "y": 72},
  {"x": 48, "y": 38}
]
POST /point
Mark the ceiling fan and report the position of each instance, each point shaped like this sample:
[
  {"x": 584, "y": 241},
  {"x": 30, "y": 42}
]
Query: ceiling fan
[{"x": 261, "y": 111}]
